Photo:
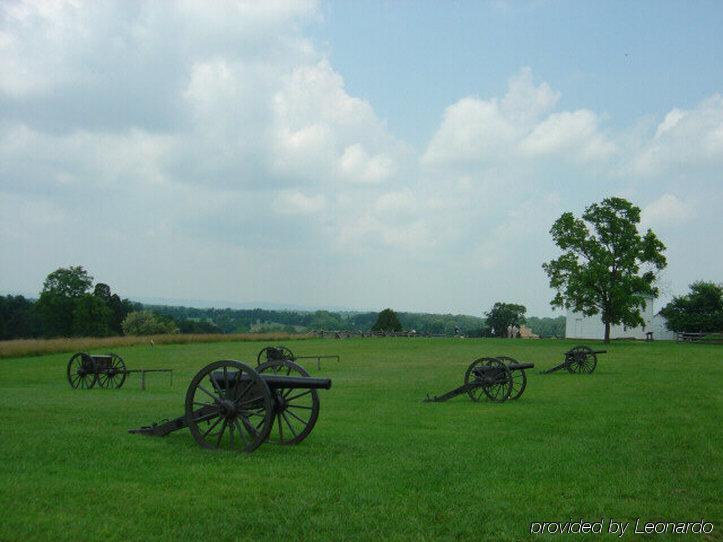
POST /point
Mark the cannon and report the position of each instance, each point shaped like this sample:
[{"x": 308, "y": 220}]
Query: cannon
[
  {"x": 580, "y": 360},
  {"x": 271, "y": 353},
  {"x": 499, "y": 378},
  {"x": 84, "y": 371},
  {"x": 231, "y": 406}
]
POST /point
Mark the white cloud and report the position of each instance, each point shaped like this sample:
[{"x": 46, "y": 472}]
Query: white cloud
[
  {"x": 570, "y": 133},
  {"x": 220, "y": 129},
  {"x": 473, "y": 131},
  {"x": 321, "y": 132},
  {"x": 685, "y": 139},
  {"x": 483, "y": 133},
  {"x": 524, "y": 102},
  {"x": 667, "y": 209}
]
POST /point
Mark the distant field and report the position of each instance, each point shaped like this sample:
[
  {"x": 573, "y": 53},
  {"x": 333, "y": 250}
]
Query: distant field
[
  {"x": 35, "y": 347},
  {"x": 639, "y": 438}
]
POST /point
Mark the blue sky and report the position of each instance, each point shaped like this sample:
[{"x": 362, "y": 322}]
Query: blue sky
[
  {"x": 351, "y": 154},
  {"x": 623, "y": 59}
]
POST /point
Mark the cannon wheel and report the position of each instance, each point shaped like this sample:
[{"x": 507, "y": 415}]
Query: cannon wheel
[
  {"x": 264, "y": 354},
  {"x": 498, "y": 393},
  {"x": 80, "y": 371},
  {"x": 238, "y": 417},
  {"x": 296, "y": 409},
  {"x": 584, "y": 360},
  {"x": 115, "y": 375},
  {"x": 519, "y": 378}
]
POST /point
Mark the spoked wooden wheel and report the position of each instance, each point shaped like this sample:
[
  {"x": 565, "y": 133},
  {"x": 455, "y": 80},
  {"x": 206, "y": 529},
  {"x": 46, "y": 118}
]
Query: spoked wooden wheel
[
  {"x": 272, "y": 353},
  {"x": 496, "y": 384},
  {"x": 519, "y": 378},
  {"x": 296, "y": 410},
  {"x": 114, "y": 375},
  {"x": 500, "y": 388},
  {"x": 229, "y": 406},
  {"x": 80, "y": 371},
  {"x": 585, "y": 361}
]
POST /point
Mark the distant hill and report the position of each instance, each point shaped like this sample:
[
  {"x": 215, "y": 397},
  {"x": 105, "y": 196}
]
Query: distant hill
[{"x": 209, "y": 304}]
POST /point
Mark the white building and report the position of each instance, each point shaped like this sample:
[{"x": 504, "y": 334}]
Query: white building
[{"x": 579, "y": 326}]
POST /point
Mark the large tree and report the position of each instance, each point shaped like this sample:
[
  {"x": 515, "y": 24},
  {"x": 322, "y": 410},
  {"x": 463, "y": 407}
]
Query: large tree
[
  {"x": 387, "y": 321},
  {"x": 607, "y": 267},
  {"x": 61, "y": 290},
  {"x": 700, "y": 310},
  {"x": 504, "y": 316}
]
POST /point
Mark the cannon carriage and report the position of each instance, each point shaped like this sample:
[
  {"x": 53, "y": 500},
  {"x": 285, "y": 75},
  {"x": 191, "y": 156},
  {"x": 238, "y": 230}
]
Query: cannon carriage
[
  {"x": 231, "y": 406},
  {"x": 578, "y": 360},
  {"x": 109, "y": 371},
  {"x": 280, "y": 352},
  {"x": 498, "y": 378},
  {"x": 84, "y": 371}
]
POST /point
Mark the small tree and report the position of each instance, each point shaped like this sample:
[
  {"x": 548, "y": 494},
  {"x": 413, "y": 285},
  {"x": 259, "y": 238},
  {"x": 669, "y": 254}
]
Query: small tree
[
  {"x": 503, "y": 316},
  {"x": 147, "y": 323},
  {"x": 700, "y": 310},
  {"x": 599, "y": 270},
  {"x": 387, "y": 321}
]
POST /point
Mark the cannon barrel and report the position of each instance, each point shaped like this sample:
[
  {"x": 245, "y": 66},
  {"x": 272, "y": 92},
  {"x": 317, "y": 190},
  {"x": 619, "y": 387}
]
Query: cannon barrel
[
  {"x": 296, "y": 382},
  {"x": 274, "y": 381},
  {"x": 589, "y": 352},
  {"x": 522, "y": 365},
  {"x": 512, "y": 367}
]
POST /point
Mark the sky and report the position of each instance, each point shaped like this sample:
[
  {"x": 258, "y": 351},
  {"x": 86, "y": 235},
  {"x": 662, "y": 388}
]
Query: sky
[{"x": 362, "y": 155}]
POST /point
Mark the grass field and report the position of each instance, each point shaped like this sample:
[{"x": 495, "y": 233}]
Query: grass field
[{"x": 640, "y": 438}]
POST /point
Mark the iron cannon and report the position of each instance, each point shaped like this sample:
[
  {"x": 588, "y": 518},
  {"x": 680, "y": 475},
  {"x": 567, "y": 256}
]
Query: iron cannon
[
  {"x": 231, "y": 406},
  {"x": 580, "y": 359},
  {"x": 271, "y": 353},
  {"x": 499, "y": 378}
]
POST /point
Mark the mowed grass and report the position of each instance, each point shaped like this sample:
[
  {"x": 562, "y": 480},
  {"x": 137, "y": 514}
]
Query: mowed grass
[{"x": 641, "y": 437}]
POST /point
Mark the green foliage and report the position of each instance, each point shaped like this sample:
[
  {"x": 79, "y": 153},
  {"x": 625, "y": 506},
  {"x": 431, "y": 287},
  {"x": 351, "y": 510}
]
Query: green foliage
[
  {"x": 327, "y": 321},
  {"x": 387, "y": 321},
  {"x": 547, "y": 327},
  {"x": 71, "y": 282},
  {"x": 599, "y": 271},
  {"x": 147, "y": 323},
  {"x": 61, "y": 289},
  {"x": 700, "y": 310},
  {"x": 91, "y": 317},
  {"x": 18, "y": 318},
  {"x": 65, "y": 308},
  {"x": 242, "y": 320},
  {"x": 193, "y": 326},
  {"x": 503, "y": 315}
]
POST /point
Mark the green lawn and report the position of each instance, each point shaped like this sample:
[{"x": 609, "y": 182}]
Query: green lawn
[{"x": 641, "y": 437}]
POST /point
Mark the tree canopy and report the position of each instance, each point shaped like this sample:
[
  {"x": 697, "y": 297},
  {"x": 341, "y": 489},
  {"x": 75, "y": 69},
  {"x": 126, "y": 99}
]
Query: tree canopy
[
  {"x": 61, "y": 290},
  {"x": 387, "y": 321},
  {"x": 502, "y": 316},
  {"x": 700, "y": 310},
  {"x": 607, "y": 267},
  {"x": 147, "y": 323}
]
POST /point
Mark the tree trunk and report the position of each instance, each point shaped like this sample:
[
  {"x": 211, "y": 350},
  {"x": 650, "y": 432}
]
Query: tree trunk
[{"x": 607, "y": 332}]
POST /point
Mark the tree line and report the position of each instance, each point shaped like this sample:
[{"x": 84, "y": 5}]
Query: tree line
[
  {"x": 68, "y": 306},
  {"x": 71, "y": 304}
]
